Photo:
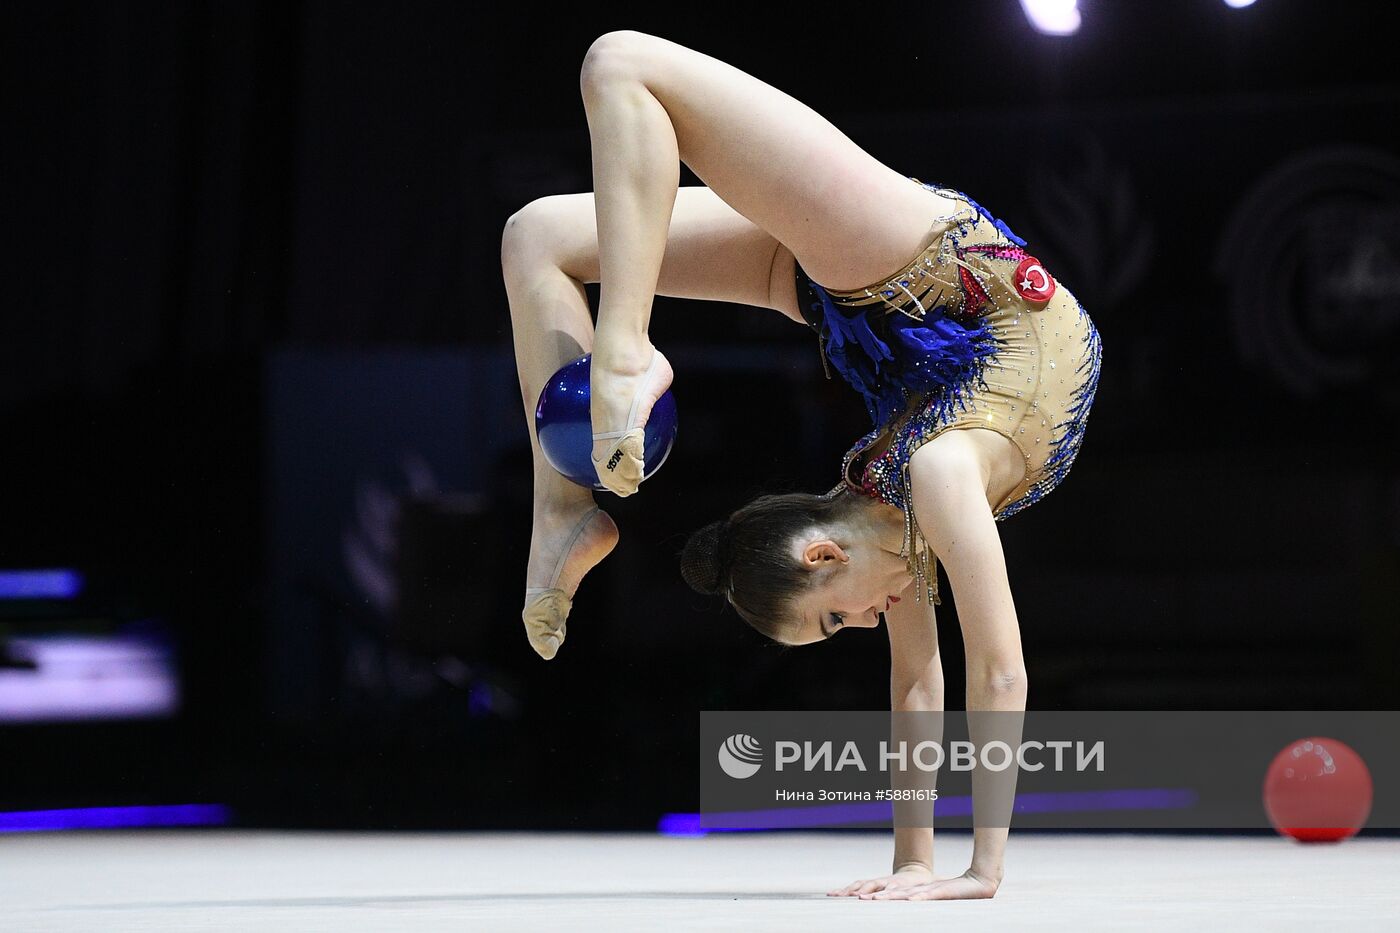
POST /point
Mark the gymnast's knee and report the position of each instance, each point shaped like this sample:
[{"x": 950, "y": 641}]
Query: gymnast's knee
[
  {"x": 612, "y": 55},
  {"x": 529, "y": 234}
]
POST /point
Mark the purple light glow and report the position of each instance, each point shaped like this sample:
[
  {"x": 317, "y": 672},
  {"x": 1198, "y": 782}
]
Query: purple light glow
[
  {"x": 1088, "y": 801},
  {"x": 185, "y": 814},
  {"x": 88, "y": 677},
  {"x": 40, "y": 584},
  {"x": 680, "y": 824},
  {"x": 698, "y": 824}
]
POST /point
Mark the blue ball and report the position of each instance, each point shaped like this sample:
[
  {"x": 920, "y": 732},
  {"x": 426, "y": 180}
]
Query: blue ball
[{"x": 564, "y": 426}]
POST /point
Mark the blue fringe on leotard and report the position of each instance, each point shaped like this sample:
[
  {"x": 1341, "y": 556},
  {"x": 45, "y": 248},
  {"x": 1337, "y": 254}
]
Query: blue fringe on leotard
[{"x": 889, "y": 357}]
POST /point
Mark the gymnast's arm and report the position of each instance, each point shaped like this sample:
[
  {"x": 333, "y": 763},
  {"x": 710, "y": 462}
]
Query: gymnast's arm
[
  {"x": 950, "y": 504},
  {"x": 916, "y": 685}
]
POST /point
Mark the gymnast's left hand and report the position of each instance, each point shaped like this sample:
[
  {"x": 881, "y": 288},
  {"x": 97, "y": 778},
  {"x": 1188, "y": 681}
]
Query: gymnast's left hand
[
  {"x": 906, "y": 877},
  {"x": 967, "y": 886}
]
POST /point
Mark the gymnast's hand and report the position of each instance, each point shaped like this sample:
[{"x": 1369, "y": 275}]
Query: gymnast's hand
[
  {"x": 910, "y": 876},
  {"x": 967, "y": 886},
  {"x": 624, "y": 384}
]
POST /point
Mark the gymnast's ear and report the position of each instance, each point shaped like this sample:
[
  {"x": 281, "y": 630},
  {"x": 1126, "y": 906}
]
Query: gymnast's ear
[{"x": 819, "y": 552}]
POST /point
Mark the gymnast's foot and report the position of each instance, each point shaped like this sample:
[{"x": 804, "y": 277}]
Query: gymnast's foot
[
  {"x": 565, "y": 544},
  {"x": 623, "y": 388}
]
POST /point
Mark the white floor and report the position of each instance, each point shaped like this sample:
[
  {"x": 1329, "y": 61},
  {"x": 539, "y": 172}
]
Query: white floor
[{"x": 273, "y": 882}]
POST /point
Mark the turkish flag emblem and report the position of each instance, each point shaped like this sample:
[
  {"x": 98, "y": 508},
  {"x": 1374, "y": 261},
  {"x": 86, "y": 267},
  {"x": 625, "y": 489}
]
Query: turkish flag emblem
[{"x": 1032, "y": 282}]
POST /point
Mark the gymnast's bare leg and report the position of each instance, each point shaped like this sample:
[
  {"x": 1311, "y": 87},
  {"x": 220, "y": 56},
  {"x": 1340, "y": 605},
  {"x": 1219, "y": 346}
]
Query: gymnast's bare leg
[
  {"x": 781, "y": 182},
  {"x": 549, "y": 251},
  {"x": 652, "y": 103}
]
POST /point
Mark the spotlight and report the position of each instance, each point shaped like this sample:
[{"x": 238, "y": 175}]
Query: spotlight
[
  {"x": 1239, "y": 4},
  {"x": 1053, "y": 17}
]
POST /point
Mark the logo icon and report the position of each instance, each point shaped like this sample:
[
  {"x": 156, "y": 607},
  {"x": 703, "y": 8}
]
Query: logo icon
[
  {"x": 1032, "y": 282},
  {"x": 740, "y": 756}
]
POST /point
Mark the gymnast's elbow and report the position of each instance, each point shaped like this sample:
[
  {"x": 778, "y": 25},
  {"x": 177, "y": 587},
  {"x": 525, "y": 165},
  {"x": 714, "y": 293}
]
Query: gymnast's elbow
[
  {"x": 998, "y": 680},
  {"x": 918, "y": 698}
]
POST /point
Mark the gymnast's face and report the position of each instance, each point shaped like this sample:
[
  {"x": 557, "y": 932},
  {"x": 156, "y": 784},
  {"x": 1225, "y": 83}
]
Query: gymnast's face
[{"x": 858, "y": 582}]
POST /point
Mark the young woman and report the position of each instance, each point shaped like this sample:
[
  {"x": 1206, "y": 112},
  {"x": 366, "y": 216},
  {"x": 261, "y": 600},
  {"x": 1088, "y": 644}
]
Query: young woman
[{"x": 977, "y": 367}]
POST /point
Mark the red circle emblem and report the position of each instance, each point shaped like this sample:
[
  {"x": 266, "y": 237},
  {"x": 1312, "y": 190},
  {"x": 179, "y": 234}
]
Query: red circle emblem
[{"x": 1032, "y": 282}]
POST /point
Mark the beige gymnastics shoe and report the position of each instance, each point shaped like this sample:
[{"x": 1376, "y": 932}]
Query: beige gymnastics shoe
[{"x": 547, "y": 608}]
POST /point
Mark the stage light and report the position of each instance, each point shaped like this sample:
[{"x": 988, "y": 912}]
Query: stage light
[
  {"x": 72, "y": 676},
  {"x": 786, "y": 818},
  {"x": 1238, "y": 4},
  {"x": 184, "y": 814},
  {"x": 40, "y": 584},
  {"x": 1053, "y": 17}
]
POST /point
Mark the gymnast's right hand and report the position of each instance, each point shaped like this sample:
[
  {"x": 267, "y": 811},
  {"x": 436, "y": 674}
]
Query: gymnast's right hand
[
  {"x": 624, "y": 385},
  {"x": 906, "y": 877}
]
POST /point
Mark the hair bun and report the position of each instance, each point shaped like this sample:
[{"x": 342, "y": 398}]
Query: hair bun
[{"x": 703, "y": 563}]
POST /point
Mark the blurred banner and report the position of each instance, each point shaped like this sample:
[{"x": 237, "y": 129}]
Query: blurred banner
[{"x": 87, "y": 675}]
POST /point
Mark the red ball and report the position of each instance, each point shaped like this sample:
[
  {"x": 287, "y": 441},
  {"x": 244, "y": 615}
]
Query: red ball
[{"x": 1318, "y": 790}]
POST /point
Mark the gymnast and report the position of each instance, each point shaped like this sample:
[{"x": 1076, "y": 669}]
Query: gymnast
[{"x": 977, "y": 367}]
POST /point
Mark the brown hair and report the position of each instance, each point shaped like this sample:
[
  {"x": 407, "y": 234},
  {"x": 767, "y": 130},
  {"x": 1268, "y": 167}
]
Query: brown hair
[{"x": 746, "y": 558}]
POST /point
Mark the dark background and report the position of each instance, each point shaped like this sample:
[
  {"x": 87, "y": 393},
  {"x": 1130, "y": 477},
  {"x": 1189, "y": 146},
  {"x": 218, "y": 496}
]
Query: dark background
[{"x": 256, "y": 383}]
